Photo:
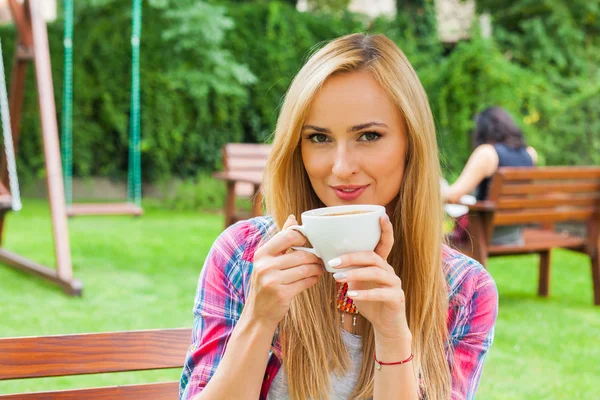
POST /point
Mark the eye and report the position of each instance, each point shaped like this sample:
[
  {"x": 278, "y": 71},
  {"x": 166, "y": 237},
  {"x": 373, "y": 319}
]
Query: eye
[
  {"x": 369, "y": 137},
  {"x": 318, "y": 138}
]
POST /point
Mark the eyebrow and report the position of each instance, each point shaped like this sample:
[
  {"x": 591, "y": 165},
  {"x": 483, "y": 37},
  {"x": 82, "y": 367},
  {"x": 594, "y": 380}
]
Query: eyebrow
[{"x": 354, "y": 128}]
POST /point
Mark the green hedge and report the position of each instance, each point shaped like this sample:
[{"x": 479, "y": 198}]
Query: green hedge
[{"x": 213, "y": 74}]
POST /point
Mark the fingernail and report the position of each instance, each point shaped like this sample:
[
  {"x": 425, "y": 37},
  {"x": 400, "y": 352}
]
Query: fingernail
[
  {"x": 339, "y": 275},
  {"x": 387, "y": 217},
  {"x": 291, "y": 216},
  {"x": 334, "y": 262},
  {"x": 352, "y": 293}
]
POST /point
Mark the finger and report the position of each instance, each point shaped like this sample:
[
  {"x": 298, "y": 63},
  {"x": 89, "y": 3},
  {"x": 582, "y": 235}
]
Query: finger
[
  {"x": 301, "y": 285},
  {"x": 283, "y": 240},
  {"x": 291, "y": 220},
  {"x": 360, "y": 259},
  {"x": 386, "y": 242},
  {"x": 295, "y": 258},
  {"x": 386, "y": 295},
  {"x": 292, "y": 275},
  {"x": 369, "y": 274}
]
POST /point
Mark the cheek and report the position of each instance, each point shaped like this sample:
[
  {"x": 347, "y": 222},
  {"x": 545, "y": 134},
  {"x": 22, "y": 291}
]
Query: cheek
[
  {"x": 388, "y": 170},
  {"x": 314, "y": 163}
]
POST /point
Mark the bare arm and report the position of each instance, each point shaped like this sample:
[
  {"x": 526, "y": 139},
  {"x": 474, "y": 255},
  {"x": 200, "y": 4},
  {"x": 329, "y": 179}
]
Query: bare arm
[
  {"x": 482, "y": 164},
  {"x": 394, "y": 381},
  {"x": 277, "y": 277},
  {"x": 240, "y": 372}
]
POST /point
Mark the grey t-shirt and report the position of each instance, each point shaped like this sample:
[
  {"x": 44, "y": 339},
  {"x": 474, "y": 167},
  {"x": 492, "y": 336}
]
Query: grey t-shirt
[{"x": 341, "y": 388}]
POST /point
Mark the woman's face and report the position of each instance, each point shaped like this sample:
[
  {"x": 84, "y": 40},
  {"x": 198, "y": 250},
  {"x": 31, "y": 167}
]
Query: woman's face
[{"x": 354, "y": 142}]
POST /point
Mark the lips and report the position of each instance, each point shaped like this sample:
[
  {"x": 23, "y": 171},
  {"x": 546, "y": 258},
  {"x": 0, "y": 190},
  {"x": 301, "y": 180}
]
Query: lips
[{"x": 349, "y": 192}]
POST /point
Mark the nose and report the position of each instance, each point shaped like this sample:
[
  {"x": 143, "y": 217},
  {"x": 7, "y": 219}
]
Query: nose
[{"x": 344, "y": 164}]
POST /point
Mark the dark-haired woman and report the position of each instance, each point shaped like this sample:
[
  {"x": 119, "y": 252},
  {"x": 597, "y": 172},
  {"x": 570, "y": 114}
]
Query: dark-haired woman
[{"x": 499, "y": 142}]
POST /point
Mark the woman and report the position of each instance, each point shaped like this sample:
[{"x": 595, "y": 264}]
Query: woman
[
  {"x": 355, "y": 128},
  {"x": 499, "y": 142}
]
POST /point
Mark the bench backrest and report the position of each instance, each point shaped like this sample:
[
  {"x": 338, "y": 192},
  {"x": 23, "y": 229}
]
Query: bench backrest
[
  {"x": 245, "y": 157},
  {"x": 64, "y": 355},
  {"x": 545, "y": 195}
]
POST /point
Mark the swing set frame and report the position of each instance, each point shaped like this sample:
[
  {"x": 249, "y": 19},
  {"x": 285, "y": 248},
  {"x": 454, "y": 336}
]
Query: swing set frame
[{"x": 32, "y": 46}]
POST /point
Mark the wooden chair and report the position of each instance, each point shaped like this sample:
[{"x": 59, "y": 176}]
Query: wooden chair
[
  {"x": 538, "y": 198},
  {"x": 66, "y": 355},
  {"x": 243, "y": 166}
]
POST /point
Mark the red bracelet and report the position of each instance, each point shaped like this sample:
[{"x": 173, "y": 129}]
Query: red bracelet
[{"x": 378, "y": 363}]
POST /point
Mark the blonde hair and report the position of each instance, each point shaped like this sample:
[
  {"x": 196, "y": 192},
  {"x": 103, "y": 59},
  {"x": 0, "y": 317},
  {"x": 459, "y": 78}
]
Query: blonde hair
[{"x": 312, "y": 346}]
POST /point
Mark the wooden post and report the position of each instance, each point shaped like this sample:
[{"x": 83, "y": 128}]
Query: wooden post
[
  {"x": 230, "y": 204},
  {"x": 595, "y": 259},
  {"x": 50, "y": 138},
  {"x": 478, "y": 228},
  {"x": 33, "y": 45},
  {"x": 593, "y": 250},
  {"x": 544, "y": 282}
]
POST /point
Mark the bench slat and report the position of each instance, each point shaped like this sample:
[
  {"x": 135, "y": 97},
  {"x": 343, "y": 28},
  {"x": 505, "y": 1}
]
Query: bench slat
[
  {"x": 537, "y": 188},
  {"x": 540, "y": 202},
  {"x": 154, "y": 391},
  {"x": 33, "y": 357},
  {"x": 244, "y": 164},
  {"x": 543, "y": 216},
  {"x": 254, "y": 178},
  {"x": 568, "y": 173},
  {"x": 247, "y": 149},
  {"x": 536, "y": 240}
]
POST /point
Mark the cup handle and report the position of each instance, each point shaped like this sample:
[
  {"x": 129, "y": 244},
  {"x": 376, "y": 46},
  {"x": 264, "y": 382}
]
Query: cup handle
[{"x": 302, "y": 230}]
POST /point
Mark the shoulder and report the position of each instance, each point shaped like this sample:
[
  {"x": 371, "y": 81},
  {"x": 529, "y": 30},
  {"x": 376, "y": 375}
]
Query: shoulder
[
  {"x": 241, "y": 239},
  {"x": 485, "y": 149},
  {"x": 534, "y": 156},
  {"x": 485, "y": 152},
  {"x": 485, "y": 158},
  {"x": 231, "y": 257},
  {"x": 467, "y": 280}
]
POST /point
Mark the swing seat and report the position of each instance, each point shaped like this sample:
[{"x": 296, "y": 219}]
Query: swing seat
[{"x": 104, "y": 209}]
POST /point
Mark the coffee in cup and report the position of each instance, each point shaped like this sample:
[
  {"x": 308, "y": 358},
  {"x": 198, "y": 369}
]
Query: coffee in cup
[{"x": 346, "y": 213}]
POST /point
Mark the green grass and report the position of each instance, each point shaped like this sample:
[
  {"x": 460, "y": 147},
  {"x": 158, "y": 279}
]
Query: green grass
[{"x": 141, "y": 273}]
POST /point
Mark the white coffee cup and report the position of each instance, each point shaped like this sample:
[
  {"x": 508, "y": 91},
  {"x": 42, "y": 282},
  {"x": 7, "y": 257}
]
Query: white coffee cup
[{"x": 339, "y": 230}]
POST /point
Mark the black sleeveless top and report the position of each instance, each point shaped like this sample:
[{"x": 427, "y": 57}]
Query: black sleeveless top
[{"x": 507, "y": 157}]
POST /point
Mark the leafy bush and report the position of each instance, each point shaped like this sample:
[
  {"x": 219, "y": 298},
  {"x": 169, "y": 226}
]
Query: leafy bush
[
  {"x": 192, "y": 90},
  {"x": 474, "y": 76},
  {"x": 201, "y": 193}
]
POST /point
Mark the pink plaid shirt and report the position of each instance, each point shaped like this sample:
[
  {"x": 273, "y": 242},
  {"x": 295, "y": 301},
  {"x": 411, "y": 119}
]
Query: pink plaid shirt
[{"x": 224, "y": 283}]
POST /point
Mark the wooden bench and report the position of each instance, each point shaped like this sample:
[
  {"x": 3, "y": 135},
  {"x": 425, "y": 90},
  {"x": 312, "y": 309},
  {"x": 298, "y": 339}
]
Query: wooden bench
[
  {"x": 243, "y": 166},
  {"x": 66, "y": 355},
  {"x": 538, "y": 198}
]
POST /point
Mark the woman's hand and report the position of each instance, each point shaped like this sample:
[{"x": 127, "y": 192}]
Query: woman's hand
[
  {"x": 278, "y": 275},
  {"x": 376, "y": 289}
]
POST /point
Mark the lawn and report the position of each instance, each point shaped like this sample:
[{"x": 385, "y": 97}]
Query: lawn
[{"x": 141, "y": 273}]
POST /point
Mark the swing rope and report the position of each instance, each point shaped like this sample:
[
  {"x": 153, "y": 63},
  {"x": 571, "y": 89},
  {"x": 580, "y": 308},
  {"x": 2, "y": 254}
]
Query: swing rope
[
  {"x": 67, "y": 109},
  {"x": 134, "y": 172},
  {"x": 134, "y": 178},
  {"x": 9, "y": 149}
]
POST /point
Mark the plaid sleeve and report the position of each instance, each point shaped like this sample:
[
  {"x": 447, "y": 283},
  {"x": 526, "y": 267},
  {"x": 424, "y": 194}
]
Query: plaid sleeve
[
  {"x": 473, "y": 333},
  {"x": 218, "y": 304}
]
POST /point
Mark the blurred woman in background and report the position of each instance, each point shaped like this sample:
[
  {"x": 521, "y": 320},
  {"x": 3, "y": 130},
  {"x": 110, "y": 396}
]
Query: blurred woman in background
[{"x": 498, "y": 142}]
